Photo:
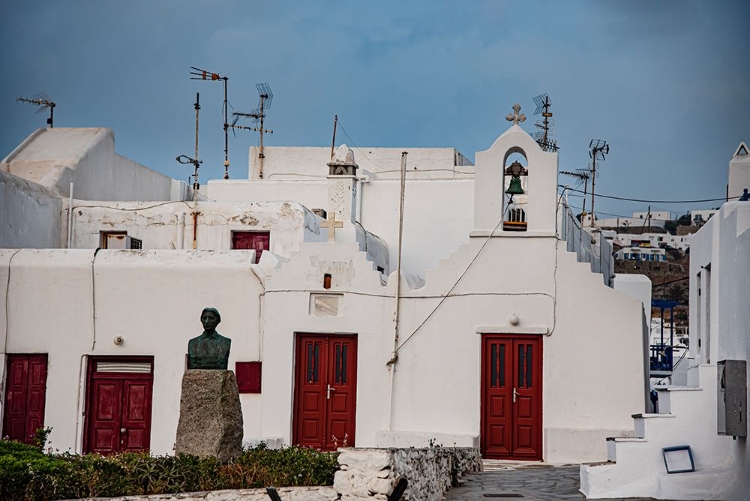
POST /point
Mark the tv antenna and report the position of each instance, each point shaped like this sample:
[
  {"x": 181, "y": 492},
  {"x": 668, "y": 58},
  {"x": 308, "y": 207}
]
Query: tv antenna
[
  {"x": 543, "y": 137},
  {"x": 258, "y": 115},
  {"x": 598, "y": 148},
  {"x": 44, "y": 102},
  {"x": 199, "y": 74},
  {"x": 184, "y": 159},
  {"x": 582, "y": 175}
]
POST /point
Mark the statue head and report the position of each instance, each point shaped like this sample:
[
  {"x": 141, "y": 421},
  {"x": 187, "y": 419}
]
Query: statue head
[{"x": 210, "y": 318}]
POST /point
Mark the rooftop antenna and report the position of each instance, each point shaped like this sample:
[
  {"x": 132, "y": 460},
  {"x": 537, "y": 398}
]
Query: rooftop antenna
[
  {"x": 258, "y": 115},
  {"x": 543, "y": 137},
  {"x": 42, "y": 100},
  {"x": 184, "y": 159},
  {"x": 598, "y": 148},
  {"x": 583, "y": 175},
  {"x": 199, "y": 74}
]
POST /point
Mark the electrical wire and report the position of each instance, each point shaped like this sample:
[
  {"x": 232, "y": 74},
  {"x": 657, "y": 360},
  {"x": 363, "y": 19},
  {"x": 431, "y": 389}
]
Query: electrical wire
[
  {"x": 626, "y": 199},
  {"x": 135, "y": 209}
]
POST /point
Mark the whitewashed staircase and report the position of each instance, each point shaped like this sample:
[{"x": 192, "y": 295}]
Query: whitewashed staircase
[{"x": 635, "y": 466}]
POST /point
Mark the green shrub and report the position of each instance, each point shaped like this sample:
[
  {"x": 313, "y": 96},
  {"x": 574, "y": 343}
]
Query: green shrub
[{"x": 28, "y": 474}]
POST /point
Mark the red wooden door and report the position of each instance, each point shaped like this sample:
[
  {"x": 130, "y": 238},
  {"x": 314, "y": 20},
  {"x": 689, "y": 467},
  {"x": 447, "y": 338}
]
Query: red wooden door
[
  {"x": 25, "y": 395},
  {"x": 511, "y": 413},
  {"x": 325, "y": 392},
  {"x": 254, "y": 240},
  {"x": 118, "y": 405}
]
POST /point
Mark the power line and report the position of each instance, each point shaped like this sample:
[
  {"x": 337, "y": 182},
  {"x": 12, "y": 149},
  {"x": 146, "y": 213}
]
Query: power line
[{"x": 656, "y": 201}]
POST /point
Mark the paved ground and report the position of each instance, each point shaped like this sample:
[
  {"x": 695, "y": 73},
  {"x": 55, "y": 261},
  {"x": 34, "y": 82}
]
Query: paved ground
[{"x": 522, "y": 481}]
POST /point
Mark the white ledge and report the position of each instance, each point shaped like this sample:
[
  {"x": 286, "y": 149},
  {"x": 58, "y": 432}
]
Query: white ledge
[
  {"x": 513, "y": 329},
  {"x": 512, "y": 234}
]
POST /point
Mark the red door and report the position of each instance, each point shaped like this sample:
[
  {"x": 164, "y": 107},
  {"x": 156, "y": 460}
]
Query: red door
[
  {"x": 511, "y": 397},
  {"x": 325, "y": 391},
  {"x": 118, "y": 405},
  {"x": 25, "y": 395},
  {"x": 253, "y": 240}
]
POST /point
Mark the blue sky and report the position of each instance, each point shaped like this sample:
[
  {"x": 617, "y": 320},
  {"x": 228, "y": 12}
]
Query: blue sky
[{"x": 667, "y": 83}]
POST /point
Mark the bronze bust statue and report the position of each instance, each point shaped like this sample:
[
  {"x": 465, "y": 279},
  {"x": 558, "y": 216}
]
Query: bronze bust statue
[{"x": 210, "y": 350}]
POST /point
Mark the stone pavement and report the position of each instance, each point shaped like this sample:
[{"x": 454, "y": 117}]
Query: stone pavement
[{"x": 523, "y": 481}]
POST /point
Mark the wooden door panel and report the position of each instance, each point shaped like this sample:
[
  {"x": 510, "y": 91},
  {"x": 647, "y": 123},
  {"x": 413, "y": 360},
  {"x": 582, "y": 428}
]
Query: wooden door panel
[
  {"x": 497, "y": 396},
  {"x": 136, "y": 415},
  {"x": 311, "y": 392},
  {"x": 118, "y": 416},
  {"x": 342, "y": 374},
  {"x": 107, "y": 395},
  {"x": 325, "y": 391},
  {"x": 25, "y": 396},
  {"x": 511, "y": 397}
]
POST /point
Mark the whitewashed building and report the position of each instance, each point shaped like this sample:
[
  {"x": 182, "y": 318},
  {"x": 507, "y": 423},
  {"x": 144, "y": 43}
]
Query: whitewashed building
[
  {"x": 709, "y": 413},
  {"x": 498, "y": 339}
]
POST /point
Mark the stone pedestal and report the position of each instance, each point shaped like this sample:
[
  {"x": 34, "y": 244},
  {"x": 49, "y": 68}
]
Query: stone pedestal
[{"x": 210, "y": 415}]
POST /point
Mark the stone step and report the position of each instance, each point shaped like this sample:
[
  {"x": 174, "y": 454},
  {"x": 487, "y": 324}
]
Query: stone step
[{"x": 612, "y": 445}]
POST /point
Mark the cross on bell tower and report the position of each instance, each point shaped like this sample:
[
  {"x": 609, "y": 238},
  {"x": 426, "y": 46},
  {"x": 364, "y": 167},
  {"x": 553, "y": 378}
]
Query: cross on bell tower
[{"x": 515, "y": 117}]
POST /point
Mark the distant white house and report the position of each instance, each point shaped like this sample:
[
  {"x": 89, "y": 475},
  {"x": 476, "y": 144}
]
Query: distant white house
[
  {"x": 641, "y": 254},
  {"x": 699, "y": 217},
  {"x": 708, "y": 414},
  {"x": 491, "y": 349},
  {"x": 639, "y": 219}
]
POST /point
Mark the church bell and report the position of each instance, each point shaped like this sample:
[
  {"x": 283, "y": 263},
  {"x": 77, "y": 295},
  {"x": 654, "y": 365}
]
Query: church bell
[{"x": 515, "y": 170}]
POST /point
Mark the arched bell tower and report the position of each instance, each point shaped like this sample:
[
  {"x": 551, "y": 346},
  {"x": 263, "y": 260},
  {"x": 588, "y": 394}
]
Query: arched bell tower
[{"x": 515, "y": 188}]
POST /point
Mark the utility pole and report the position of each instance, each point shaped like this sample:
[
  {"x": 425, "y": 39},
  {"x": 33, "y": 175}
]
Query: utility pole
[
  {"x": 599, "y": 148},
  {"x": 333, "y": 141}
]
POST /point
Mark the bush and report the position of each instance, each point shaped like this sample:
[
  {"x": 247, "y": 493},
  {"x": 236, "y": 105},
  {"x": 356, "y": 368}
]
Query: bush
[{"x": 28, "y": 474}]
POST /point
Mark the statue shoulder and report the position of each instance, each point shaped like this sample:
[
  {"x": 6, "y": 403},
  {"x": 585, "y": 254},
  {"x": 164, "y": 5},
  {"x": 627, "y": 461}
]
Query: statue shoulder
[{"x": 223, "y": 339}]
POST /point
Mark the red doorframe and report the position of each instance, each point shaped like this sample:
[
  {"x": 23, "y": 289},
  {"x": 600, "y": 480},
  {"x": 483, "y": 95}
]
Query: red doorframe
[
  {"x": 325, "y": 391},
  {"x": 511, "y": 401},
  {"x": 25, "y": 396},
  {"x": 118, "y": 404}
]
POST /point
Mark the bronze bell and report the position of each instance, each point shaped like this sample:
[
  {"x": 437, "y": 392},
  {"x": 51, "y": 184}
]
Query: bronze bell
[
  {"x": 515, "y": 187},
  {"x": 515, "y": 170}
]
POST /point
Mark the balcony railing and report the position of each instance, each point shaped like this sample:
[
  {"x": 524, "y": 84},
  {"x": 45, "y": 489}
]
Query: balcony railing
[{"x": 661, "y": 358}]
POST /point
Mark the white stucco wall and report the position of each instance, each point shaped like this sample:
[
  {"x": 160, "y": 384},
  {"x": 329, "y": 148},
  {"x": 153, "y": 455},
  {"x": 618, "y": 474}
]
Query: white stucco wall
[
  {"x": 170, "y": 225},
  {"x": 55, "y": 157},
  {"x": 429, "y": 234},
  {"x": 437, "y": 378},
  {"x": 153, "y": 299},
  {"x": 287, "y": 162},
  {"x": 690, "y": 414},
  {"x": 30, "y": 214},
  {"x": 637, "y": 286}
]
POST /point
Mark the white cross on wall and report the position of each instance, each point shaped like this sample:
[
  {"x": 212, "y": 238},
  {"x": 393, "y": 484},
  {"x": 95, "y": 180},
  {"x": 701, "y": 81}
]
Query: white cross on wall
[{"x": 331, "y": 224}]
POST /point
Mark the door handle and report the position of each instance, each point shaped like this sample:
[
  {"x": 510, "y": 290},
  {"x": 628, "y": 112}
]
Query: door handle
[
  {"x": 328, "y": 391},
  {"x": 515, "y": 394},
  {"x": 123, "y": 430}
]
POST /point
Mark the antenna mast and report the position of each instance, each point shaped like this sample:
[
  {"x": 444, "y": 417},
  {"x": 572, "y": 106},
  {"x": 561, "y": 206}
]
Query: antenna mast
[
  {"x": 598, "y": 149},
  {"x": 184, "y": 159},
  {"x": 583, "y": 175},
  {"x": 199, "y": 74},
  {"x": 258, "y": 115},
  {"x": 43, "y": 100},
  {"x": 543, "y": 137}
]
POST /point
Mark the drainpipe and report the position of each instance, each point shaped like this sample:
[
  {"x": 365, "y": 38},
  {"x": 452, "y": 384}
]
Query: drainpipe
[
  {"x": 70, "y": 216},
  {"x": 392, "y": 362}
]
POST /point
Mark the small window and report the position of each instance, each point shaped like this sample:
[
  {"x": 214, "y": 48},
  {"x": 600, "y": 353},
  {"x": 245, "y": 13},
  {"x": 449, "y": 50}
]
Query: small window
[
  {"x": 118, "y": 240},
  {"x": 252, "y": 240}
]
